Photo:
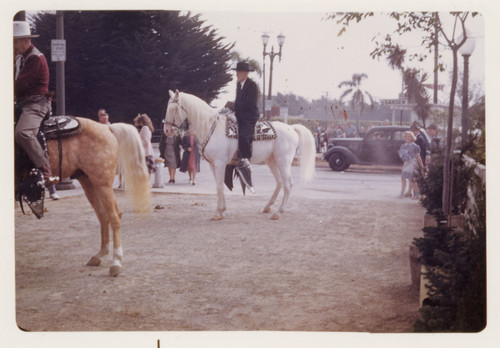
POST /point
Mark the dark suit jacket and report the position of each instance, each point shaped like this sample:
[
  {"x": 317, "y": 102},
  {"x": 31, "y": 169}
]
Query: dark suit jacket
[{"x": 245, "y": 105}]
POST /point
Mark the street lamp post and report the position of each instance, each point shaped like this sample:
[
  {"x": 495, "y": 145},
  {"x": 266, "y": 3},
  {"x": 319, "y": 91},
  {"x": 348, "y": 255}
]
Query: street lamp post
[
  {"x": 265, "y": 40},
  {"x": 272, "y": 54},
  {"x": 466, "y": 50}
]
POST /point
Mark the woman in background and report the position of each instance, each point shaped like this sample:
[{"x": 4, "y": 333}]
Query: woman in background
[
  {"x": 145, "y": 126},
  {"x": 170, "y": 150},
  {"x": 191, "y": 156},
  {"x": 409, "y": 152}
]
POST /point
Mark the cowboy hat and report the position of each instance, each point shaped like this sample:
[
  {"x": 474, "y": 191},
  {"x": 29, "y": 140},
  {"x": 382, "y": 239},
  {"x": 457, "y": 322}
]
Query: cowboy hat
[
  {"x": 22, "y": 30},
  {"x": 243, "y": 66}
]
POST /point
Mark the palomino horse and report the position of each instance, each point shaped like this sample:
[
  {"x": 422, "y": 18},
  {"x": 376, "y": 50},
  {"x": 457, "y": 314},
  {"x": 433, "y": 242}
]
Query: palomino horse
[
  {"x": 92, "y": 157},
  {"x": 218, "y": 149}
]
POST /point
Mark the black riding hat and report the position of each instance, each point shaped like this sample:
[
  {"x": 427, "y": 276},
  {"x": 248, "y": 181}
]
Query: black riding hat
[{"x": 243, "y": 66}]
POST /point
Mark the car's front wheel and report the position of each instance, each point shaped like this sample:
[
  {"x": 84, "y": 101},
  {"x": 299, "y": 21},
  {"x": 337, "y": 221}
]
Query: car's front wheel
[{"x": 338, "y": 162}]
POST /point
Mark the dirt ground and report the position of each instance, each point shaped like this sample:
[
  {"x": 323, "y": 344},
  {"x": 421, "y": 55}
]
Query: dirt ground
[{"x": 327, "y": 265}]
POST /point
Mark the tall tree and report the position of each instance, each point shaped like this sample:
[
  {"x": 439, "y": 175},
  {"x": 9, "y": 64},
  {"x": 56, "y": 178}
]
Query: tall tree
[
  {"x": 358, "y": 97},
  {"x": 126, "y": 61},
  {"x": 416, "y": 93}
]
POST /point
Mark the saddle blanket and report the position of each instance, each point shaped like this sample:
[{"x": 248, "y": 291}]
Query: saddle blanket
[{"x": 264, "y": 130}]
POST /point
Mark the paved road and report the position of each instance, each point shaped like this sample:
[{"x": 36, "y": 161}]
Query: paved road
[{"x": 367, "y": 183}]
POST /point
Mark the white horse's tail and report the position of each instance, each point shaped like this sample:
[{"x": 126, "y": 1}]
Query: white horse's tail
[
  {"x": 307, "y": 148},
  {"x": 132, "y": 165}
]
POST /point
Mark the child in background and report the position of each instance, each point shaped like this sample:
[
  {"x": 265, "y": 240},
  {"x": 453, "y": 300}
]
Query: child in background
[{"x": 409, "y": 152}]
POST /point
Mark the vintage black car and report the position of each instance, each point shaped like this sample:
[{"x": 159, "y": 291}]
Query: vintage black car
[{"x": 379, "y": 146}]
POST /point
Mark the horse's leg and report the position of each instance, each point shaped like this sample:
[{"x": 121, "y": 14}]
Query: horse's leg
[
  {"x": 286, "y": 177},
  {"x": 219, "y": 171},
  {"x": 89, "y": 190},
  {"x": 108, "y": 203},
  {"x": 279, "y": 183}
]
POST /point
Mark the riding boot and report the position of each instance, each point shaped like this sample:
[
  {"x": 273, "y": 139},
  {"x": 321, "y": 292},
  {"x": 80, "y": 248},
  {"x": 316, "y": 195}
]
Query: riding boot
[
  {"x": 49, "y": 179},
  {"x": 245, "y": 173}
]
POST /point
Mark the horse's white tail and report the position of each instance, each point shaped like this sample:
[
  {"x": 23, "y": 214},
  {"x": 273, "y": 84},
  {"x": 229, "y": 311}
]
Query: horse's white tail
[
  {"x": 307, "y": 148},
  {"x": 132, "y": 165}
]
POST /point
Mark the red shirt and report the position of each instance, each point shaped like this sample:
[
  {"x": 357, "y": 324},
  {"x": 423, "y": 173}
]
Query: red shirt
[{"x": 33, "y": 78}]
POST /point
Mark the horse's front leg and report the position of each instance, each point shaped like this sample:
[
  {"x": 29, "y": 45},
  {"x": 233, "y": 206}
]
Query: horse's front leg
[
  {"x": 108, "y": 200},
  {"x": 219, "y": 170},
  {"x": 89, "y": 190}
]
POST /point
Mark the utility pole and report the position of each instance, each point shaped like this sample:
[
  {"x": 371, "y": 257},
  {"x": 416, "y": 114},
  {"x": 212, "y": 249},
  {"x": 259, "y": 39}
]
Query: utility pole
[
  {"x": 59, "y": 56},
  {"x": 60, "y": 78},
  {"x": 436, "y": 43}
]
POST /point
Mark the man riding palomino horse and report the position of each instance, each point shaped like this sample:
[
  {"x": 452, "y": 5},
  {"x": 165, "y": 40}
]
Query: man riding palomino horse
[
  {"x": 247, "y": 115},
  {"x": 31, "y": 90}
]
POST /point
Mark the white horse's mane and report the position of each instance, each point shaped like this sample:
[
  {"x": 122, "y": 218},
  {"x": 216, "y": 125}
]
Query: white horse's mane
[{"x": 201, "y": 115}]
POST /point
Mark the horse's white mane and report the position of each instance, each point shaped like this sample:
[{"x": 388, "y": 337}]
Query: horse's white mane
[{"x": 200, "y": 114}]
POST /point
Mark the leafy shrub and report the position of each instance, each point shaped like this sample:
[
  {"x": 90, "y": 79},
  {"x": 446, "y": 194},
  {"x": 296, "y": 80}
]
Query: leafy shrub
[{"x": 456, "y": 271}]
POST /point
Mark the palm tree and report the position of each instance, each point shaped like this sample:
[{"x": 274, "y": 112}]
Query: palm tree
[
  {"x": 396, "y": 60},
  {"x": 414, "y": 82},
  {"x": 358, "y": 96},
  {"x": 416, "y": 93}
]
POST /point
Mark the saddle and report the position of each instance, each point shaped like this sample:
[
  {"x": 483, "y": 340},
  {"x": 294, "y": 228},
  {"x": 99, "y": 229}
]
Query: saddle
[
  {"x": 58, "y": 127},
  {"x": 32, "y": 189},
  {"x": 264, "y": 130}
]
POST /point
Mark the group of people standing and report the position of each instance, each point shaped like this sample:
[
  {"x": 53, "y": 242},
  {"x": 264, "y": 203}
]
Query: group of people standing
[{"x": 170, "y": 144}]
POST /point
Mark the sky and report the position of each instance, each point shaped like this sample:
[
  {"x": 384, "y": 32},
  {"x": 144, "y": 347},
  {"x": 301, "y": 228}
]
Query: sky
[{"x": 315, "y": 59}]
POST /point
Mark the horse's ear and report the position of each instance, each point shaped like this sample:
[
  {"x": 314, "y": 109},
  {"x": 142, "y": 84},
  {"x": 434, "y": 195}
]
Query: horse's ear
[
  {"x": 171, "y": 93},
  {"x": 176, "y": 95}
]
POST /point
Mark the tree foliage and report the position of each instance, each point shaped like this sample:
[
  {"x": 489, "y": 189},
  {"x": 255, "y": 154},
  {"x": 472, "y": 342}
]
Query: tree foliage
[
  {"x": 416, "y": 93},
  {"x": 126, "y": 61}
]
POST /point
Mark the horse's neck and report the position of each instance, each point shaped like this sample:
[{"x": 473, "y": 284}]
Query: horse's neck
[{"x": 201, "y": 118}]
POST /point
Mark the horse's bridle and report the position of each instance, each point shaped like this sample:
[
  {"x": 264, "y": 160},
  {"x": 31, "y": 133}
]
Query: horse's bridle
[
  {"x": 182, "y": 108},
  {"x": 204, "y": 144}
]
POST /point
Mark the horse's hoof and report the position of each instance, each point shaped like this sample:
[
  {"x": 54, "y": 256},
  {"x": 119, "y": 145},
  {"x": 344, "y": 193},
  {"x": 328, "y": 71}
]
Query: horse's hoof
[
  {"x": 266, "y": 210},
  {"x": 115, "y": 270},
  {"x": 94, "y": 261},
  {"x": 275, "y": 216}
]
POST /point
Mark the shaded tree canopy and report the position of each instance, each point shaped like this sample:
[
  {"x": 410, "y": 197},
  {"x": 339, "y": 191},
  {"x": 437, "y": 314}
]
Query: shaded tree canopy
[{"x": 126, "y": 61}]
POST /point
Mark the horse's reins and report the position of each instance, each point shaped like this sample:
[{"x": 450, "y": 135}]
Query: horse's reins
[{"x": 205, "y": 143}]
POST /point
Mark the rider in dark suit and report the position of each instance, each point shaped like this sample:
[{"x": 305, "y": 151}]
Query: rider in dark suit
[{"x": 247, "y": 114}]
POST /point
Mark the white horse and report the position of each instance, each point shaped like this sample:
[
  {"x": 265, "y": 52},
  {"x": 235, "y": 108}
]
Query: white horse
[{"x": 210, "y": 128}]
